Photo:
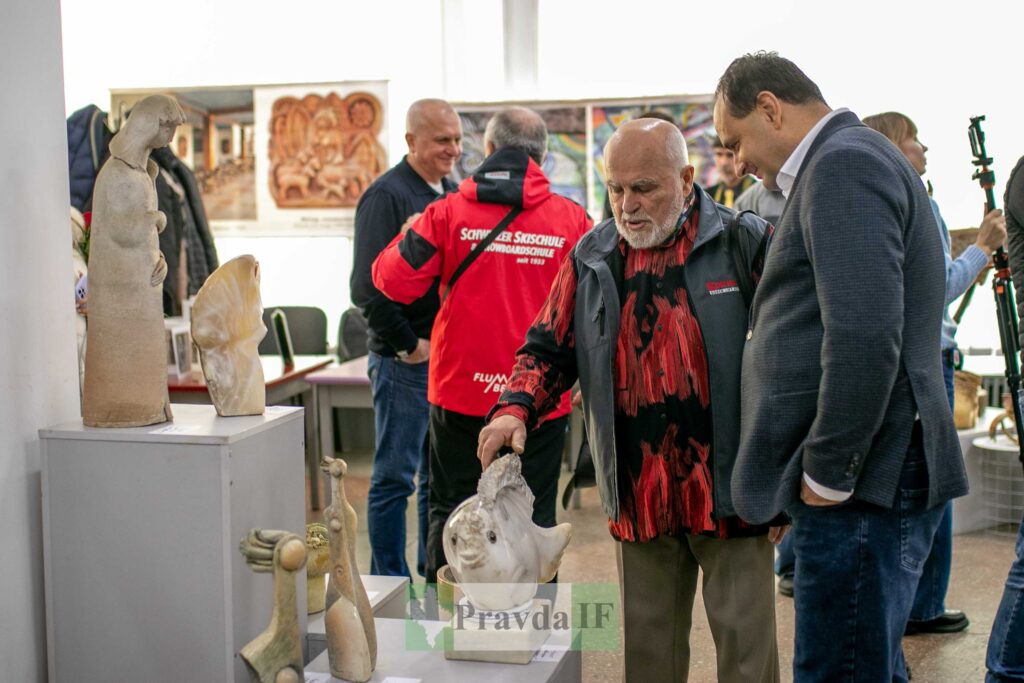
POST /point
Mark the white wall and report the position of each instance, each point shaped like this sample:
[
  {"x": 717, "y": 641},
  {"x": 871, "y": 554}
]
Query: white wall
[
  {"x": 38, "y": 373},
  {"x": 939, "y": 63},
  {"x": 237, "y": 42}
]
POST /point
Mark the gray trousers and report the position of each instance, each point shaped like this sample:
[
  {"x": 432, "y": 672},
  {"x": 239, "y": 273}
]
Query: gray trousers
[{"x": 658, "y": 582}]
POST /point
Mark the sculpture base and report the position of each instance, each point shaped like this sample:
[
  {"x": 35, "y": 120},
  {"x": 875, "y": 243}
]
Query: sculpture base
[
  {"x": 509, "y": 637},
  {"x": 316, "y": 593}
]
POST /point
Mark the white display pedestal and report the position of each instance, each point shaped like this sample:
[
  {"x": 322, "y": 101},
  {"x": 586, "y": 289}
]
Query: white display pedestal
[
  {"x": 144, "y": 580},
  {"x": 1001, "y": 485},
  {"x": 969, "y": 510}
]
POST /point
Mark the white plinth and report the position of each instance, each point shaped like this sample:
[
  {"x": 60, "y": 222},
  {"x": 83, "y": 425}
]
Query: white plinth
[
  {"x": 144, "y": 580},
  {"x": 969, "y": 511},
  {"x": 502, "y": 637}
]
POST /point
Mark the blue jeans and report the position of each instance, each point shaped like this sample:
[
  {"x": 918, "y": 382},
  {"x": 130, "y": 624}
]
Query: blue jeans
[
  {"x": 1005, "y": 659},
  {"x": 930, "y": 600},
  {"x": 857, "y": 566},
  {"x": 401, "y": 417}
]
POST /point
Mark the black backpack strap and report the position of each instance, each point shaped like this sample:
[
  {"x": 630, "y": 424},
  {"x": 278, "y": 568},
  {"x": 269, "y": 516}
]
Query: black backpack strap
[
  {"x": 479, "y": 248},
  {"x": 741, "y": 258},
  {"x": 746, "y": 263}
]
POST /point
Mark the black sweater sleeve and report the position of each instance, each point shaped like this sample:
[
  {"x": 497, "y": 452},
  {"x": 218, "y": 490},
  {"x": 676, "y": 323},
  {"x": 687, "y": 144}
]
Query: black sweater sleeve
[{"x": 379, "y": 218}]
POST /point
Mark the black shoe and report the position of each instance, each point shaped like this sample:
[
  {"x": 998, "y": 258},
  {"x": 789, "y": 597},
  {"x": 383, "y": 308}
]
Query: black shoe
[
  {"x": 786, "y": 585},
  {"x": 951, "y": 621}
]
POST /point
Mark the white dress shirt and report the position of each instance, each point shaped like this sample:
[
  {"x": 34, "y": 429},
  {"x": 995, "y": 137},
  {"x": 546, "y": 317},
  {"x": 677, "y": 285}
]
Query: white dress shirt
[{"x": 787, "y": 174}]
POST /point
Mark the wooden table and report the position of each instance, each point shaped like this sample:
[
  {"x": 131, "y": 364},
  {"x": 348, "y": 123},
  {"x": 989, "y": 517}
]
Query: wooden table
[
  {"x": 283, "y": 385},
  {"x": 348, "y": 386}
]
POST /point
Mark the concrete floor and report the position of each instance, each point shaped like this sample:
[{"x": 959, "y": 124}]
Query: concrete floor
[{"x": 980, "y": 564}]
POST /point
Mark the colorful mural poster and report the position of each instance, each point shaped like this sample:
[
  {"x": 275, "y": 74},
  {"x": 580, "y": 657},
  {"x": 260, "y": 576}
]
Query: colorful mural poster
[
  {"x": 566, "y": 162},
  {"x": 693, "y": 118}
]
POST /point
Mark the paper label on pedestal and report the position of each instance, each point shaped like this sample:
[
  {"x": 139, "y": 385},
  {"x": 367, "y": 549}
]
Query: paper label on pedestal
[
  {"x": 175, "y": 429},
  {"x": 550, "y": 653},
  {"x": 317, "y": 678}
]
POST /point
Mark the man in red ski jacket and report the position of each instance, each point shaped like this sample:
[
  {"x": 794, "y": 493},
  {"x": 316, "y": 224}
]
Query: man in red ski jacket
[{"x": 488, "y": 303}]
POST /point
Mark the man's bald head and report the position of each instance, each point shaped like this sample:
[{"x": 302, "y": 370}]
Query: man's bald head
[
  {"x": 434, "y": 135},
  {"x": 654, "y": 136},
  {"x": 649, "y": 180},
  {"x": 423, "y": 112},
  {"x": 519, "y": 128}
]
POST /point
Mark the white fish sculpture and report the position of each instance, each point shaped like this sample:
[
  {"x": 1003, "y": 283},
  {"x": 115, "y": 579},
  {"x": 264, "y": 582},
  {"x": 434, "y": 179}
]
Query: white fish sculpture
[{"x": 495, "y": 551}]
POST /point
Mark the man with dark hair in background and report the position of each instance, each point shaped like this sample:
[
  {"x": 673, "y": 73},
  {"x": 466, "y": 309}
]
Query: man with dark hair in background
[
  {"x": 1005, "y": 659},
  {"x": 731, "y": 183},
  {"x": 768, "y": 204},
  {"x": 398, "y": 334},
  {"x": 845, "y": 423},
  {"x": 486, "y": 308}
]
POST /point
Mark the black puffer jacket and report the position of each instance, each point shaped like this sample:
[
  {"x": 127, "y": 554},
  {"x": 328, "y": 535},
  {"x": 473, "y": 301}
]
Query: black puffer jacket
[
  {"x": 88, "y": 139},
  {"x": 202, "y": 254}
]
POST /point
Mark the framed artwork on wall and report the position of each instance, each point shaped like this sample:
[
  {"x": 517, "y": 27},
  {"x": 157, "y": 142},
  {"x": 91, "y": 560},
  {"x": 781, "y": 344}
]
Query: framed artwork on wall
[
  {"x": 578, "y": 132},
  {"x": 280, "y": 160}
]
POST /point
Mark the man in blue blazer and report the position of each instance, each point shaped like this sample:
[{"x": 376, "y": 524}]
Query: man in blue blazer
[{"x": 845, "y": 424}]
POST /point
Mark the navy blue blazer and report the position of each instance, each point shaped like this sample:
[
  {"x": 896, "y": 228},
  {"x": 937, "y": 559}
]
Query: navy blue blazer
[{"x": 842, "y": 350}]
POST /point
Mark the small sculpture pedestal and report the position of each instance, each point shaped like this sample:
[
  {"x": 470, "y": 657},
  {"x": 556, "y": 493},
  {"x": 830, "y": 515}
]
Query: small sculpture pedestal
[{"x": 507, "y": 637}]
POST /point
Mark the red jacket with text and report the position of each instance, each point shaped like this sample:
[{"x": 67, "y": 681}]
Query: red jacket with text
[{"x": 484, "y": 317}]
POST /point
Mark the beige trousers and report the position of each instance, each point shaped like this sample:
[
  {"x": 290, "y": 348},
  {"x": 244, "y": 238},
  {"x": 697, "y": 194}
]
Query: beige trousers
[{"x": 658, "y": 581}]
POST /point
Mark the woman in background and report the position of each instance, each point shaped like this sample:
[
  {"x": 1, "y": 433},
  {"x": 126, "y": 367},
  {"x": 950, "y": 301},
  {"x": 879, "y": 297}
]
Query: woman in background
[{"x": 929, "y": 613}]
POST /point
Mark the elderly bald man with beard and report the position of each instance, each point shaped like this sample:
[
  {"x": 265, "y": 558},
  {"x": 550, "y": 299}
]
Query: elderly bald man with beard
[{"x": 647, "y": 314}]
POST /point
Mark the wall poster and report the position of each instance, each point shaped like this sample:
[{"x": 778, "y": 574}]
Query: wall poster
[
  {"x": 566, "y": 162},
  {"x": 577, "y": 133},
  {"x": 318, "y": 148},
  {"x": 693, "y": 116},
  {"x": 283, "y": 160}
]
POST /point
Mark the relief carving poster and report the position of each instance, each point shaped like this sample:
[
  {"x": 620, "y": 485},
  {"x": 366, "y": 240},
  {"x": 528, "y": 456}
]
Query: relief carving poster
[{"x": 318, "y": 147}]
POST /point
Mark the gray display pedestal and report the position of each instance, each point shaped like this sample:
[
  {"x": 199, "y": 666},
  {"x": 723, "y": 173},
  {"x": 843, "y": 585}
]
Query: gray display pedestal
[
  {"x": 144, "y": 580},
  {"x": 555, "y": 662}
]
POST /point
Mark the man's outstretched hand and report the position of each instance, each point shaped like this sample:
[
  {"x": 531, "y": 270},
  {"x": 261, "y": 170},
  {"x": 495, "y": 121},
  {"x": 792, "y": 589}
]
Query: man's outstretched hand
[{"x": 506, "y": 430}]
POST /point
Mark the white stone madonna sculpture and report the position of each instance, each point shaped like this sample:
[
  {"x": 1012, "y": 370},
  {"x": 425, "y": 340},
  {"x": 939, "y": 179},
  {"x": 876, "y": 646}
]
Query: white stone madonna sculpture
[
  {"x": 126, "y": 357},
  {"x": 227, "y": 326},
  {"x": 495, "y": 551}
]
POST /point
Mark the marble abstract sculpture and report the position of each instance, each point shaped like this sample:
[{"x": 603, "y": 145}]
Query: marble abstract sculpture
[
  {"x": 351, "y": 634},
  {"x": 227, "y": 326},
  {"x": 126, "y": 357},
  {"x": 494, "y": 550},
  {"x": 275, "y": 656}
]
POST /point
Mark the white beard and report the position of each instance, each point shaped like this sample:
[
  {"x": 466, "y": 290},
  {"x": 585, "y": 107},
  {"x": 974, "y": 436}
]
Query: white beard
[{"x": 655, "y": 235}]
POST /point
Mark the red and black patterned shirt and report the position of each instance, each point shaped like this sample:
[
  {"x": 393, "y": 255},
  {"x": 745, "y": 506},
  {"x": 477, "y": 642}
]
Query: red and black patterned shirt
[{"x": 663, "y": 426}]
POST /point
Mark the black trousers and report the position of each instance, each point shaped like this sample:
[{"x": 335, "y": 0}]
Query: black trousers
[{"x": 455, "y": 471}]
